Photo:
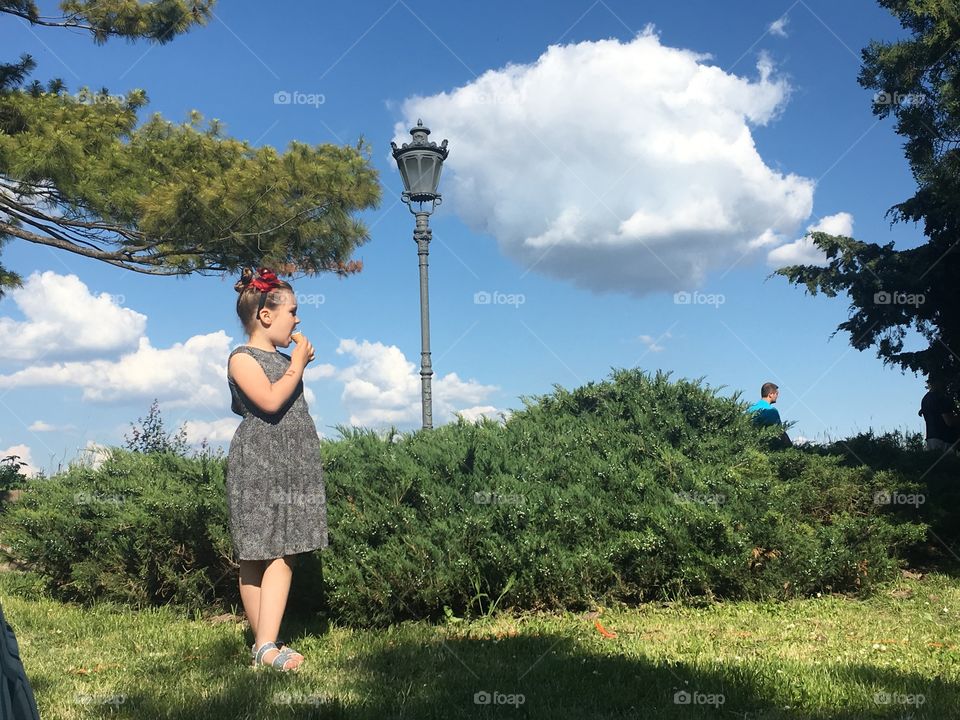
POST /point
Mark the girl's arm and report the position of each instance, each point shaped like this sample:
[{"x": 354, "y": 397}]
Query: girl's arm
[{"x": 253, "y": 381}]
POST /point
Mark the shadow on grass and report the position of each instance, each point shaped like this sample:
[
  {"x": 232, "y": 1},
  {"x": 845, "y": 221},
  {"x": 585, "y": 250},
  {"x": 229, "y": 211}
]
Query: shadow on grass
[{"x": 554, "y": 677}]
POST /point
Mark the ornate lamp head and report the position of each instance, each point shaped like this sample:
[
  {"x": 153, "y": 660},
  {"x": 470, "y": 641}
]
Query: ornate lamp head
[{"x": 420, "y": 162}]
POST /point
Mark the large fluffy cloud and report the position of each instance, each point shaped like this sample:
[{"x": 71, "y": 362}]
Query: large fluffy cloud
[
  {"x": 619, "y": 166},
  {"x": 64, "y": 318},
  {"x": 382, "y": 387},
  {"x": 188, "y": 374},
  {"x": 803, "y": 251}
]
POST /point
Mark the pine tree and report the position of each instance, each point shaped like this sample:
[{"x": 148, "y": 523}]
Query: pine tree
[
  {"x": 893, "y": 292},
  {"x": 81, "y": 173}
]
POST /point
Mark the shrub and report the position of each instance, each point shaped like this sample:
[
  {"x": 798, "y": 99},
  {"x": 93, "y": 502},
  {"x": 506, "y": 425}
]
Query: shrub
[
  {"x": 632, "y": 489},
  {"x": 148, "y": 436},
  {"x": 922, "y": 486},
  {"x": 10, "y": 476},
  {"x": 626, "y": 490},
  {"x": 141, "y": 529}
]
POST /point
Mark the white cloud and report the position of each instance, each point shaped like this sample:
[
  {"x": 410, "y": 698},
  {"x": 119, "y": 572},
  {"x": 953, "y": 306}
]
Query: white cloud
[
  {"x": 473, "y": 414},
  {"x": 64, "y": 319},
  {"x": 92, "y": 455},
  {"x": 25, "y": 456},
  {"x": 318, "y": 372},
  {"x": 839, "y": 224},
  {"x": 803, "y": 251},
  {"x": 189, "y": 374},
  {"x": 215, "y": 431},
  {"x": 778, "y": 27},
  {"x": 652, "y": 343},
  {"x": 619, "y": 166},
  {"x": 42, "y": 426},
  {"x": 382, "y": 387},
  {"x": 309, "y": 397}
]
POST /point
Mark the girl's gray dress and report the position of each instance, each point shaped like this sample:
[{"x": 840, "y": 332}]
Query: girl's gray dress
[{"x": 276, "y": 498}]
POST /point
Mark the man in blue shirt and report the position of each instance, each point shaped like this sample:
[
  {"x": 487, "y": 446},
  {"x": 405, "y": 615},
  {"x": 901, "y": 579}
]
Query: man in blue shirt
[{"x": 763, "y": 411}]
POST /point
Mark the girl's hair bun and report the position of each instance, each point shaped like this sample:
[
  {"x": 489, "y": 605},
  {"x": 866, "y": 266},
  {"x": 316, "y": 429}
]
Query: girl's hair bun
[
  {"x": 244, "y": 282},
  {"x": 256, "y": 291}
]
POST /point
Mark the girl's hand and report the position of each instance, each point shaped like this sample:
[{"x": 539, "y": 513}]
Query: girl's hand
[{"x": 303, "y": 352}]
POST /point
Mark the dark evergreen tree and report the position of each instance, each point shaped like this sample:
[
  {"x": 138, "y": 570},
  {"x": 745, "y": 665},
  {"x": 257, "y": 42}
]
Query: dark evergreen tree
[{"x": 891, "y": 291}]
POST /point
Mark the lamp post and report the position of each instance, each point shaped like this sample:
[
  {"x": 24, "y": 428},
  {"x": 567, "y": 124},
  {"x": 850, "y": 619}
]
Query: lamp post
[{"x": 420, "y": 162}]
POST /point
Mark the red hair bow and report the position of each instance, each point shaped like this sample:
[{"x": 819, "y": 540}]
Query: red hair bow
[{"x": 266, "y": 282}]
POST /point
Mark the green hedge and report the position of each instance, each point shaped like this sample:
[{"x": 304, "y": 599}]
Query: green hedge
[
  {"x": 934, "y": 497},
  {"x": 631, "y": 489},
  {"x": 141, "y": 529},
  {"x": 626, "y": 490}
]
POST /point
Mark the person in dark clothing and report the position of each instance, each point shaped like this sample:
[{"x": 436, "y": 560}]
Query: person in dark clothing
[
  {"x": 16, "y": 695},
  {"x": 940, "y": 415}
]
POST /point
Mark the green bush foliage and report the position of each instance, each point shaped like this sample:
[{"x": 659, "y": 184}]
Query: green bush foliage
[
  {"x": 627, "y": 490},
  {"x": 11, "y": 476},
  {"x": 140, "y": 529},
  {"x": 632, "y": 489},
  {"x": 925, "y": 487}
]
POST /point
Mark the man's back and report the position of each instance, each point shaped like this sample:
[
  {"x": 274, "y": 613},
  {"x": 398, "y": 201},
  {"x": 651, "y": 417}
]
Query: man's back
[
  {"x": 764, "y": 413},
  {"x": 933, "y": 407}
]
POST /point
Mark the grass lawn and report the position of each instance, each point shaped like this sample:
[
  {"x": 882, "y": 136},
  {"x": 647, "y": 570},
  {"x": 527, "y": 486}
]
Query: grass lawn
[{"x": 894, "y": 655}]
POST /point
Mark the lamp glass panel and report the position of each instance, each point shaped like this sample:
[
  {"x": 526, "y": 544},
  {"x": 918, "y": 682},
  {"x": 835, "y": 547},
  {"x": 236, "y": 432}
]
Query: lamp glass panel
[
  {"x": 415, "y": 173},
  {"x": 404, "y": 172},
  {"x": 420, "y": 171},
  {"x": 426, "y": 169}
]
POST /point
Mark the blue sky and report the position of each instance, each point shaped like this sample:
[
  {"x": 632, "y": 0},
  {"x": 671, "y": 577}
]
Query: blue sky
[{"x": 608, "y": 160}]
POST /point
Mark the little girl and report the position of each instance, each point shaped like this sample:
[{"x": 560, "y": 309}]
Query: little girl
[{"x": 275, "y": 493}]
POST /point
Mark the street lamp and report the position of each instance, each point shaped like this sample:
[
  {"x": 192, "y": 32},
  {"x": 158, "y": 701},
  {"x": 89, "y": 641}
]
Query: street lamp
[{"x": 420, "y": 162}]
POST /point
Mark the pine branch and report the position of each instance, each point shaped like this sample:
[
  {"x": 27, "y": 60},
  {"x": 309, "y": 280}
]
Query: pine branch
[
  {"x": 67, "y": 21},
  {"x": 115, "y": 258}
]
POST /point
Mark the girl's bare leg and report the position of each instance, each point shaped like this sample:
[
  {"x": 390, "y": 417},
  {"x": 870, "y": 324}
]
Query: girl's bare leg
[
  {"x": 274, "y": 589},
  {"x": 251, "y": 576}
]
